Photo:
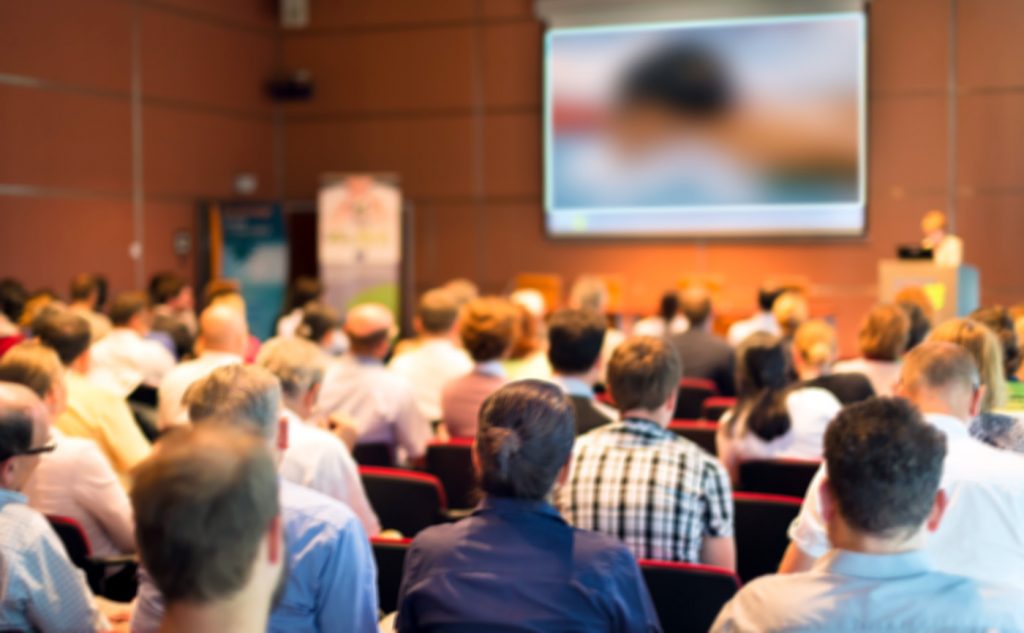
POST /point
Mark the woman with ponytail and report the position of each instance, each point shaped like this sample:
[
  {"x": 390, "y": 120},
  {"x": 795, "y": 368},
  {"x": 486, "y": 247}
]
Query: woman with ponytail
[{"x": 814, "y": 351}]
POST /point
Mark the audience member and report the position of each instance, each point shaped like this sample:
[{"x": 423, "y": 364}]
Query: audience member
[
  {"x": 487, "y": 328},
  {"x": 174, "y": 313},
  {"x": 979, "y": 536},
  {"x": 209, "y": 528},
  {"x": 323, "y": 325},
  {"x": 1000, "y": 321},
  {"x": 667, "y": 322},
  {"x": 637, "y": 481},
  {"x": 920, "y": 312},
  {"x": 947, "y": 249},
  {"x": 331, "y": 584},
  {"x": 12, "y": 304},
  {"x": 301, "y": 290},
  {"x": 772, "y": 419},
  {"x": 36, "y": 305},
  {"x": 124, "y": 359},
  {"x": 575, "y": 338},
  {"x": 223, "y": 339},
  {"x": 514, "y": 564},
  {"x": 703, "y": 354},
  {"x": 880, "y": 501},
  {"x": 436, "y": 359},
  {"x": 527, "y": 357},
  {"x": 92, "y": 412},
  {"x": 315, "y": 458},
  {"x": 814, "y": 352},
  {"x": 380, "y": 404},
  {"x": 463, "y": 290},
  {"x": 590, "y": 292},
  {"x": 228, "y": 292},
  {"x": 84, "y": 294},
  {"x": 882, "y": 338},
  {"x": 763, "y": 321},
  {"x": 790, "y": 310},
  {"x": 41, "y": 590}
]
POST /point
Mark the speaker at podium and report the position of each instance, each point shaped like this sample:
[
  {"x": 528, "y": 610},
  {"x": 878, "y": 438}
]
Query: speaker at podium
[{"x": 953, "y": 290}]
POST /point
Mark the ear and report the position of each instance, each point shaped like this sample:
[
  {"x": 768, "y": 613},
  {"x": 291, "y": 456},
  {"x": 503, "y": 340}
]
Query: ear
[
  {"x": 7, "y": 471},
  {"x": 828, "y": 501},
  {"x": 670, "y": 404},
  {"x": 977, "y": 397},
  {"x": 275, "y": 540},
  {"x": 938, "y": 510},
  {"x": 563, "y": 475},
  {"x": 476, "y": 458},
  {"x": 311, "y": 396}
]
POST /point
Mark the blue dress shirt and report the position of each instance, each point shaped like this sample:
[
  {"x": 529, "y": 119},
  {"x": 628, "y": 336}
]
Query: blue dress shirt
[
  {"x": 515, "y": 565},
  {"x": 332, "y": 577}
]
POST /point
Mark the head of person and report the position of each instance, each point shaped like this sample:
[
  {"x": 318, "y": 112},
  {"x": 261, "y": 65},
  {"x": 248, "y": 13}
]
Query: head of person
[
  {"x": 12, "y": 299},
  {"x": 934, "y": 226},
  {"x": 575, "y": 338},
  {"x": 301, "y": 291},
  {"x": 524, "y": 440},
  {"x": 589, "y": 292},
  {"x": 487, "y": 327},
  {"x": 370, "y": 327},
  {"x": 695, "y": 305},
  {"x": 37, "y": 367},
  {"x": 918, "y": 324},
  {"x": 917, "y": 296},
  {"x": 226, "y": 292},
  {"x": 790, "y": 310},
  {"x": 222, "y": 329},
  {"x": 131, "y": 310},
  {"x": 528, "y": 336},
  {"x": 884, "y": 332},
  {"x": 942, "y": 378},
  {"x": 643, "y": 378},
  {"x": 84, "y": 289},
  {"x": 1001, "y": 322},
  {"x": 884, "y": 467},
  {"x": 463, "y": 290},
  {"x": 984, "y": 348},
  {"x": 208, "y": 519},
  {"x": 762, "y": 375},
  {"x": 172, "y": 290},
  {"x": 68, "y": 334},
  {"x": 436, "y": 313},
  {"x": 37, "y": 304},
  {"x": 322, "y": 325},
  {"x": 668, "y": 307},
  {"x": 242, "y": 396},
  {"x": 24, "y": 434},
  {"x": 299, "y": 366},
  {"x": 814, "y": 348},
  {"x": 766, "y": 296}
]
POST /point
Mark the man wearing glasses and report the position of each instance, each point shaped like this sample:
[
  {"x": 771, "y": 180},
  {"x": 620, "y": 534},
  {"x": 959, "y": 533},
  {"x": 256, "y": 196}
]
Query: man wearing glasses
[{"x": 42, "y": 590}]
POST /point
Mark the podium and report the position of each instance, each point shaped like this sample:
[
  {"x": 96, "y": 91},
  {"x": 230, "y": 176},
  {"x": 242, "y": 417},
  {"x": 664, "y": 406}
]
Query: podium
[{"x": 953, "y": 291}]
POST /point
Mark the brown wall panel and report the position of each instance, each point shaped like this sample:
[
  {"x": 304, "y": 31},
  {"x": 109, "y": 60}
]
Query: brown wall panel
[
  {"x": 907, "y": 142},
  {"x": 992, "y": 240},
  {"x": 511, "y": 64},
  {"x": 254, "y": 14},
  {"x": 163, "y": 220},
  {"x": 984, "y": 157},
  {"x": 350, "y": 13},
  {"x": 507, "y": 8},
  {"x": 990, "y": 44},
  {"x": 908, "y": 45},
  {"x": 512, "y": 143}
]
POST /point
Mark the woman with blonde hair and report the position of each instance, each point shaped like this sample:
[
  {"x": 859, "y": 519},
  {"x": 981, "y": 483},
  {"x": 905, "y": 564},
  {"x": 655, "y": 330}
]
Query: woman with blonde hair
[
  {"x": 814, "y": 351},
  {"x": 883, "y": 339}
]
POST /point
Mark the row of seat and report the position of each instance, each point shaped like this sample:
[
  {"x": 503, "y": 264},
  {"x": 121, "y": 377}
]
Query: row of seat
[{"x": 698, "y": 398}]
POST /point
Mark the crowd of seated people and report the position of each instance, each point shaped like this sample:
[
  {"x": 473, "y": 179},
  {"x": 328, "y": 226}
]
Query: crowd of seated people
[{"x": 256, "y": 514}]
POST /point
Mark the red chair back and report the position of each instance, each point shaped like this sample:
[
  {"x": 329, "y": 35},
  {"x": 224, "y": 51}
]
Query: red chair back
[
  {"x": 777, "y": 476},
  {"x": 404, "y": 500},
  {"x": 700, "y": 432},
  {"x": 374, "y": 454},
  {"x": 390, "y": 557},
  {"x": 452, "y": 463},
  {"x": 688, "y": 596},
  {"x": 762, "y": 522},
  {"x": 715, "y": 406},
  {"x": 692, "y": 394}
]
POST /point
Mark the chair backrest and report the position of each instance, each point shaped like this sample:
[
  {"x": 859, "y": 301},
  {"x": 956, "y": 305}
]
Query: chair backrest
[
  {"x": 587, "y": 415},
  {"x": 374, "y": 454},
  {"x": 688, "y": 596},
  {"x": 452, "y": 463},
  {"x": 761, "y": 525},
  {"x": 715, "y": 406},
  {"x": 79, "y": 550},
  {"x": 144, "y": 394},
  {"x": 390, "y": 557},
  {"x": 692, "y": 394},
  {"x": 777, "y": 476},
  {"x": 700, "y": 432},
  {"x": 404, "y": 500}
]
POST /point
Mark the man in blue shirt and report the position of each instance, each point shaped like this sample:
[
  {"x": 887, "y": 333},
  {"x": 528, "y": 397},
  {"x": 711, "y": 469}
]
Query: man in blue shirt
[
  {"x": 332, "y": 578},
  {"x": 880, "y": 501},
  {"x": 515, "y": 565}
]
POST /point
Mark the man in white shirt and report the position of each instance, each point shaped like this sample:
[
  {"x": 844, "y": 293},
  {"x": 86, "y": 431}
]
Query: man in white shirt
[
  {"x": 314, "y": 458},
  {"x": 223, "y": 337},
  {"x": 763, "y": 321},
  {"x": 981, "y": 536},
  {"x": 381, "y": 404},
  {"x": 436, "y": 359},
  {"x": 947, "y": 249},
  {"x": 124, "y": 359}
]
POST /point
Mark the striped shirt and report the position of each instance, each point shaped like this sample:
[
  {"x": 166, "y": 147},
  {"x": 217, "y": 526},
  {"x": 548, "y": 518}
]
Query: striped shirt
[{"x": 658, "y": 493}]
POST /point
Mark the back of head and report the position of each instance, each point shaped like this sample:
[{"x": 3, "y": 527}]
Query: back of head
[
  {"x": 919, "y": 324},
  {"x": 575, "y": 338},
  {"x": 165, "y": 286},
  {"x": 66, "y": 333},
  {"x": 695, "y": 304},
  {"x": 884, "y": 333},
  {"x": 589, "y": 292},
  {"x": 790, "y": 310},
  {"x": 437, "y": 310},
  {"x": 984, "y": 348},
  {"x": 934, "y": 220},
  {"x": 815, "y": 342},
  {"x": 939, "y": 369},
  {"x": 488, "y": 327},
  {"x": 203, "y": 502},
  {"x": 297, "y": 364},
  {"x": 302, "y": 291},
  {"x": 244, "y": 396},
  {"x": 219, "y": 288},
  {"x": 369, "y": 326},
  {"x": 917, "y": 296},
  {"x": 34, "y": 365},
  {"x": 83, "y": 287},
  {"x": 223, "y": 329},
  {"x": 1001, "y": 322},
  {"x": 528, "y": 333},
  {"x": 126, "y": 306},
  {"x": 766, "y": 296},
  {"x": 524, "y": 439},
  {"x": 12, "y": 299},
  {"x": 19, "y": 413},
  {"x": 463, "y": 290},
  {"x": 761, "y": 364},
  {"x": 317, "y": 320},
  {"x": 884, "y": 466},
  {"x": 643, "y": 373},
  {"x": 668, "y": 307}
]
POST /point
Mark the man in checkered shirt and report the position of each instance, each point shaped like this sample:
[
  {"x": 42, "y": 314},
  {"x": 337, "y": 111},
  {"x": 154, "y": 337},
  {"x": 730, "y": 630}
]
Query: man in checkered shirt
[{"x": 662, "y": 495}]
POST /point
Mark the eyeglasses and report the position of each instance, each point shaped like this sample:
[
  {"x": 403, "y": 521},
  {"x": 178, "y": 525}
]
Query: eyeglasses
[{"x": 39, "y": 450}]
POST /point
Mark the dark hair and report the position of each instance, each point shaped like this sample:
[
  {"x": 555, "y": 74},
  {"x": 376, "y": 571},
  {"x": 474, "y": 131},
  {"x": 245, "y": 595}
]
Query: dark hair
[
  {"x": 437, "y": 310},
  {"x": 16, "y": 421},
  {"x": 762, "y": 379},
  {"x": 102, "y": 287},
  {"x": 66, "y": 333},
  {"x": 12, "y": 299},
  {"x": 165, "y": 286},
  {"x": 1000, "y": 321},
  {"x": 668, "y": 307},
  {"x": 202, "y": 505},
  {"x": 301, "y": 291},
  {"x": 126, "y": 305},
  {"x": 317, "y": 320},
  {"x": 575, "y": 338},
  {"x": 919, "y": 323},
  {"x": 488, "y": 327},
  {"x": 687, "y": 79},
  {"x": 643, "y": 373},
  {"x": 83, "y": 286},
  {"x": 884, "y": 465},
  {"x": 32, "y": 364},
  {"x": 217, "y": 288},
  {"x": 766, "y": 297},
  {"x": 695, "y": 304},
  {"x": 524, "y": 438},
  {"x": 884, "y": 333}
]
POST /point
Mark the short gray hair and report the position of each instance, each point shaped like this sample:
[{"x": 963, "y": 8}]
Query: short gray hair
[
  {"x": 297, "y": 363},
  {"x": 237, "y": 395}
]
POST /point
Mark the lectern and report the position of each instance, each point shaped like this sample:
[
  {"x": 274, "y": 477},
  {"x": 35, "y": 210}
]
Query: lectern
[{"x": 953, "y": 291}]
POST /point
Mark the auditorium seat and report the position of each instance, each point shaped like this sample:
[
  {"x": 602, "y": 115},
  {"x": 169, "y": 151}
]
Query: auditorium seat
[
  {"x": 777, "y": 476},
  {"x": 715, "y": 406},
  {"x": 692, "y": 394},
  {"x": 404, "y": 500},
  {"x": 688, "y": 596},
  {"x": 452, "y": 463},
  {"x": 700, "y": 432},
  {"x": 120, "y": 586},
  {"x": 390, "y": 557},
  {"x": 374, "y": 454},
  {"x": 761, "y": 523}
]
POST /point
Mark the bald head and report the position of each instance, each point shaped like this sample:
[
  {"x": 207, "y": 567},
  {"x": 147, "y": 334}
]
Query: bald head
[
  {"x": 23, "y": 425},
  {"x": 695, "y": 304},
  {"x": 369, "y": 327},
  {"x": 222, "y": 329},
  {"x": 940, "y": 377}
]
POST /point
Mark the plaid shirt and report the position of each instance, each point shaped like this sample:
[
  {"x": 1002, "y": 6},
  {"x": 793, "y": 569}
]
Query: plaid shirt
[{"x": 658, "y": 493}]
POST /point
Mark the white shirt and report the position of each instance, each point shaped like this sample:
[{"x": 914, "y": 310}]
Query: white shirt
[
  {"x": 981, "y": 535},
  {"x": 318, "y": 460},
  {"x": 123, "y": 360},
  {"x": 177, "y": 381},
  {"x": 655, "y": 326},
  {"x": 77, "y": 481},
  {"x": 427, "y": 368},
  {"x": 883, "y": 374},
  {"x": 760, "y": 322},
  {"x": 949, "y": 253}
]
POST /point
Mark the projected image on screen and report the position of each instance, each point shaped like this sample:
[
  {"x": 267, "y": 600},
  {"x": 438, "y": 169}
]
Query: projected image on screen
[{"x": 714, "y": 128}]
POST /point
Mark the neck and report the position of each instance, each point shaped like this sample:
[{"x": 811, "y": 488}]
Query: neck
[
  {"x": 807, "y": 372},
  {"x": 296, "y": 406},
  {"x": 85, "y": 304},
  {"x": 587, "y": 378},
  {"x": 929, "y": 403},
  {"x": 846, "y": 538},
  {"x": 233, "y": 616},
  {"x": 661, "y": 417}
]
